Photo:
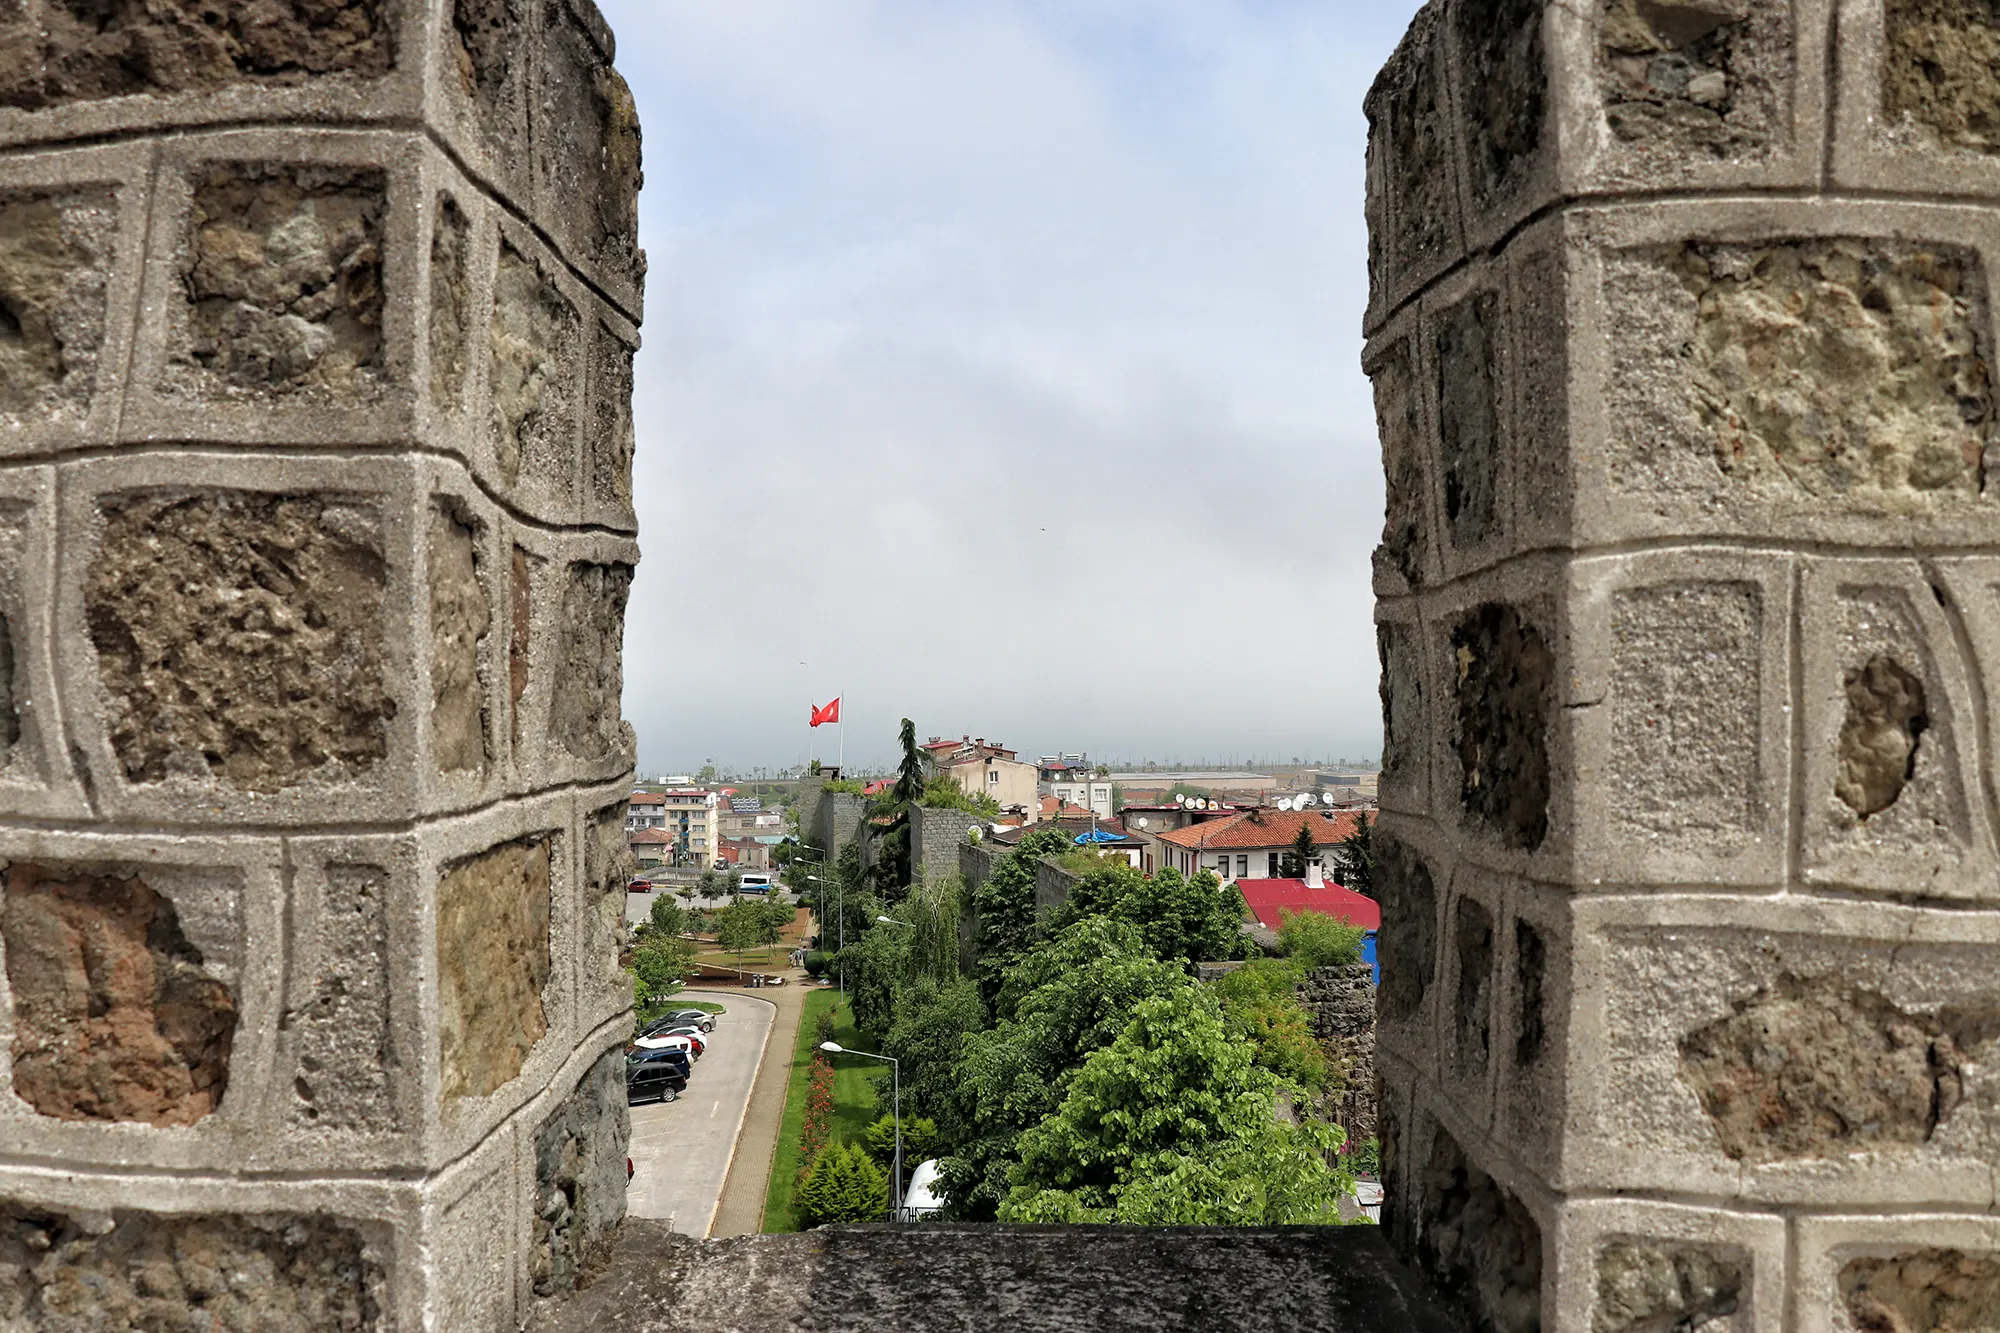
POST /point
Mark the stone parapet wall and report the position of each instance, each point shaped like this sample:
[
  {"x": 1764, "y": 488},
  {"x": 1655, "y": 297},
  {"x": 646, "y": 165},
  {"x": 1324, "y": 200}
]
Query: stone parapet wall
[
  {"x": 935, "y": 837},
  {"x": 1683, "y": 338},
  {"x": 837, "y": 821},
  {"x": 1340, "y": 1001},
  {"x": 316, "y": 335}
]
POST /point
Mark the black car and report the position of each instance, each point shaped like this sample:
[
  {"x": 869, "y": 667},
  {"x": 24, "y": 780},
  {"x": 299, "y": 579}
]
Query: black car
[{"x": 661, "y": 1074}]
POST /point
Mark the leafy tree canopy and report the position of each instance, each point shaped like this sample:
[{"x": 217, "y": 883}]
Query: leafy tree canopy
[
  {"x": 1354, "y": 858},
  {"x": 1314, "y": 939},
  {"x": 1188, "y": 919}
]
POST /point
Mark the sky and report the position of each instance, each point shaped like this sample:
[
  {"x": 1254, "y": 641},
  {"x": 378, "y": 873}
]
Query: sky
[{"x": 1001, "y": 372}]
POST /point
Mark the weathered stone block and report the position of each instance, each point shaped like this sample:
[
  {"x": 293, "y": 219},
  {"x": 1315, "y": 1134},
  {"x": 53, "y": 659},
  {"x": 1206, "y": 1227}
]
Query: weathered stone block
[
  {"x": 535, "y": 370},
  {"x": 1697, "y": 79},
  {"x": 1409, "y": 701},
  {"x": 63, "y": 51},
  {"x": 1940, "y": 70},
  {"x": 348, "y": 1062},
  {"x": 1678, "y": 703},
  {"x": 1825, "y": 1053},
  {"x": 586, "y": 150},
  {"x": 1627, "y": 1265},
  {"x": 239, "y": 636},
  {"x": 1888, "y": 773},
  {"x": 459, "y": 619},
  {"x": 285, "y": 1273},
  {"x": 477, "y": 1239},
  {"x": 56, "y": 252},
  {"x": 1531, "y": 1023},
  {"x": 602, "y": 986},
  {"x": 609, "y": 441},
  {"x": 1408, "y": 949},
  {"x": 1923, "y": 1289},
  {"x": 520, "y": 636},
  {"x": 1467, "y": 1035},
  {"x": 1467, "y": 361},
  {"x": 1504, "y": 696},
  {"x": 1404, "y": 560},
  {"x": 580, "y": 1179},
  {"x": 450, "y": 304},
  {"x": 1479, "y": 1245},
  {"x": 589, "y": 677},
  {"x": 1412, "y": 152},
  {"x": 115, "y": 1016},
  {"x": 1504, "y": 99},
  {"x": 1938, "y": 1273},
  {"x": 282, "y": 273},
  {"x": 485, "y": 51},
  {"x": 493, "y": 964}
]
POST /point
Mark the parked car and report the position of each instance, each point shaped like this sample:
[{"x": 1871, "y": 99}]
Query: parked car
[
  {"x": 685, "y": 1030},
  {"x": 680, "y": 1060},
  {"x": 639, "y": 886},
  {"x": 680, "y": 1018},
  {"x": 647, "y": 1076},
  {"x": 692, "y": 1045}
]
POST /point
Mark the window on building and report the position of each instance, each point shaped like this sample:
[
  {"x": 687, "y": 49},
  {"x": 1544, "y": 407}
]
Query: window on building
[
  {"x": 1243, "y": 866},
  {"x": 993, "y": 775},
  {"x": 1274, "y": 865}
]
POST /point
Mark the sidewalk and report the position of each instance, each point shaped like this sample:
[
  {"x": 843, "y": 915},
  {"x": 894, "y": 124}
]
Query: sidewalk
[{"x": 741, "y": 1211}]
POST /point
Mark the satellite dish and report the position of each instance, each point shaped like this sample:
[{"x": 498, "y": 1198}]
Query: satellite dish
[
  {"x": 1143, "y": 823},
  {"x": 1284, "y": 803},
  {"x": 1202, "y": 803},
  {"x": 1326, "y": 798}
]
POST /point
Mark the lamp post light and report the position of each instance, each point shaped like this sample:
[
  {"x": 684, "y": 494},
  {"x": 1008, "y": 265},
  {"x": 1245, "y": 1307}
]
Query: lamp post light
[
  {"x": 895, "y": 1109},
  {"x": 840, "y": 927}
]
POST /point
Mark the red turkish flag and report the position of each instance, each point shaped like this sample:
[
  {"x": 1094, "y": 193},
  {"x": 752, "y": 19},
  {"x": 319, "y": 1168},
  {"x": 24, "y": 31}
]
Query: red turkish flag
[{"x": 830, "y": 713}]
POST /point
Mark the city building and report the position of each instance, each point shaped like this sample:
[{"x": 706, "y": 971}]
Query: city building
[
  {"x": 985, "y": 769},
  {"x": 647, "y": 809},
  {"x": 651, "y": 848},
  {"x": 1250, "y": 843}
]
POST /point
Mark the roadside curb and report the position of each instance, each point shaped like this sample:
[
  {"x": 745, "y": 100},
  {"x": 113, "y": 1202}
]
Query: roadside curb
[{"x": 736, "y": 1136}]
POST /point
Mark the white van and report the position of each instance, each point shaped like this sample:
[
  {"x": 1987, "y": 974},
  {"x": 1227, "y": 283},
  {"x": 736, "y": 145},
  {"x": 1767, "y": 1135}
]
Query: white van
[{"x": 756, "y": 883}]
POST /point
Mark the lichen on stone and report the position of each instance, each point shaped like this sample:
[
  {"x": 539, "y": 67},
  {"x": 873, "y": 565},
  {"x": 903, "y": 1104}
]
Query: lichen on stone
[
  {"x": 1932, "y": 1290},
  {"x": 1879, "y": 737},
  {"x": 1469, "y": 417},
  {"x": 1812, "y": 1067},
  {"x": 534, "y": 363},
  {"x": 493, "y": 964},
  {"x": 459, "y": 617},
  {"x": 1841, "y": 368},
  {"x": 584, "y": 707},
  {"x": 239, "y": 637},
  {"x": 1505, "y": 100},
  {"x": 115, "y": 1017},
  {"x": 283, "y": 276},
  {"x": 1651, "y": 1286}
]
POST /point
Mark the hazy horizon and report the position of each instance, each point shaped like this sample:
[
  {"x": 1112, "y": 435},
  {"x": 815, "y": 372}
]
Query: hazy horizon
[{"x": 1001, "y": 372}]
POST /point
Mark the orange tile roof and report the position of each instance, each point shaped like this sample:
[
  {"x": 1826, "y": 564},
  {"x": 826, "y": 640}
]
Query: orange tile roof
[
  {"x": 648, "y": 798},
  {"x": 652, "y": 835},
  {"x": 1271, "y": 828}
]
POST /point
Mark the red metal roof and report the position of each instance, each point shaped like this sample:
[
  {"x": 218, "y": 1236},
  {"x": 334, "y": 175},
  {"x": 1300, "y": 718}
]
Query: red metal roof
[{"x": 1269, "y": 898}]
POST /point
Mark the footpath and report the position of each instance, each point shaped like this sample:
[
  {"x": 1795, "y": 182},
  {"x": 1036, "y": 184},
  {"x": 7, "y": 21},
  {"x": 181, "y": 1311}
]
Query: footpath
[{"x": 741, "y": 1209}]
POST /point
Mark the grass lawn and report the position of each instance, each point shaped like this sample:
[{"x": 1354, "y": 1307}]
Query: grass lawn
[
  {"x": 757, "y": 959},
  {"x": 853, "y": 1102}
]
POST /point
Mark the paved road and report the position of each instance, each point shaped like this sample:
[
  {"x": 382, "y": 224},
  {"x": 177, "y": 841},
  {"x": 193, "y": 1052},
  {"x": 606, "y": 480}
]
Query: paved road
[
  {"x": 639, "y": 906},
  {"x": 681, "y": 1150}
]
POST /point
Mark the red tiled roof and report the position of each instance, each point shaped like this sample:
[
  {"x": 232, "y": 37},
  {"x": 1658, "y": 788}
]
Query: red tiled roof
[
  {"x": 1269, "y": 899},
  {"x": 1272, "y": 829},
  {"x": 652, "y": 835},
  {"x": 648, "y": 798}
]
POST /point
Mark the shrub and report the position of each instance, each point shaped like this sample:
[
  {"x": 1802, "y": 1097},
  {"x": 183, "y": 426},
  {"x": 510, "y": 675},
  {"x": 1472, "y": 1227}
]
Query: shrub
[
  {"x": 818, "y": 1124},
  {"x": 1315, "y": 939},
  {"x": 920, "y": 1138},
  {"x": 844, "y": 1185}
]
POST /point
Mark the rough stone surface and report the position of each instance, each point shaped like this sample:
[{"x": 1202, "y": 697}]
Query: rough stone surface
[
  {"x": 1469, "y": 418},
  {"x": 272, "y": 1273},
  {"x": 60, "y": 51},
  {"x": 1408, "y": 113},
  {"x": 610, "y": 442},
  {"x": 1506, "y": 680},
  {"x": 1505, "y": 98},
  {"x": 1686, "y": 664},
  {"x": 1402, "y": 691},
  {"x": 1399, "y": 421},
  {"x": 346, "y": 1051},
  {"x": 1472, "y": 1007},
  {"x": 114, "y": 1016},
  {"x": 1407, "y": 944},
  {"x": 283, "y": 273},
  {"x": 451, "y": 308},
  {"x": 590, "y": 159},
  {"x": 1923, "y": 1291},
  {"x": 589, "y": 678},
  {"x": 1654, "y": 1287},
  {"x": 1480, "y": 1248},
  {"x": 534, "y": 372},
  {"x": 489, "y": 55},
  {"x": 460, "y": 618},
  {"x": 239, "y": 635},
  {"x": 520, "y": 639},
  {"x": 1847, "y": 368},
  {"x": 55, "y": 255},
  {"x": 1531, "y": 965},
  {"x": 945, "y": 1278},
  {"x": 608, "y": 867},
  {"x": 1340, "y": 1001},
  {"x": 1815, "y": 1069},
  {"x": 580, "y": 1178},
  {"x": 1879, "y": 737},
  {"x": 1696, "y": 78},
  {"x": 1941, "y": 70},
  {"x": 493, "y": 965}
]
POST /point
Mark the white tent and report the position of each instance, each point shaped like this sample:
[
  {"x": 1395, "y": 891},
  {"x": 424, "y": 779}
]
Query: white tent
[{"x": 922, "y": 1199}]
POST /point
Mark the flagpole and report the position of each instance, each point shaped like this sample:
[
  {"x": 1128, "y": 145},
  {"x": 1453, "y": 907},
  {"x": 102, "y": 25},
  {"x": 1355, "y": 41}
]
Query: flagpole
[{"x": 841, "y": 763}]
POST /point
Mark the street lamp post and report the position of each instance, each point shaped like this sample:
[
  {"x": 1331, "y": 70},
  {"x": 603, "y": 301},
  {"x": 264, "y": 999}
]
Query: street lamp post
[
  {"x": 840, "y": 928},
  {"x": 895, "y": 1109}
]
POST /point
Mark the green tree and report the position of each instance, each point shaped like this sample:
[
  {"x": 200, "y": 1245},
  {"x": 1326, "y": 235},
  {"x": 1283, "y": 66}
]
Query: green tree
[
  {"x": 1260, "y": 1005},
  {"x": 920, "y": 1135},
  {"x": 1302, "y": 853},
  {"x": 707, "y": 774},
  {"x": 668, "y": 917},
  {"x": 930, "y": 1027},
  {"x": 932, "y": 912},
  {"x": 1314, "y": 939},
  {"x": 739, "y": 927},
  {"x": 943, "y": 793},
  {"x": 1192, "y": 919},
  {"x": 658, "y": 968},
  {"x": 878, "y": 965},
  {"x": 1061, "y": 1001},
  {"x": 844, "y": 1185},
  {"x": 1005, "y": 905},
  {"x": 1354, "y": 858},
  {"x": 710, "y": 884},
  {"x": 1174, "y": 1110}
]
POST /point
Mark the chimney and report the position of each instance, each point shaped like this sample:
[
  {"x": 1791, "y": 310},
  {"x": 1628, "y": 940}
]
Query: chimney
[{"x": 1314, "y": 879}]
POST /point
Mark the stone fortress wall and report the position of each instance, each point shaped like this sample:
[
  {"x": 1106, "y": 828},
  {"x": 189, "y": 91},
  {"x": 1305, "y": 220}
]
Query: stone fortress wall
[
  {"x": 1682, "y": 331},
  {"x": 316, "y": 337}
]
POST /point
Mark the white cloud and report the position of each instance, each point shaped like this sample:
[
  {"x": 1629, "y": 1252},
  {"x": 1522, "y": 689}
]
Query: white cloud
[{"x": 1001, "y": 364}]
